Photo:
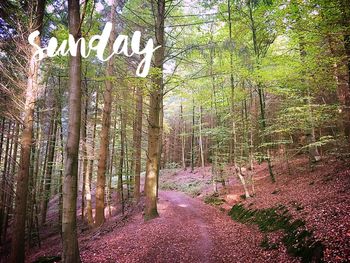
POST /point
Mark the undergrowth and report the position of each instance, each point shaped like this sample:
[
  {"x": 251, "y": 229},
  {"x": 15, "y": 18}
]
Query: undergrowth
[
  {"x": 191, "y": 188},
  {"x": 297, "y": 239},
  {"x": 213, "y": 200}
]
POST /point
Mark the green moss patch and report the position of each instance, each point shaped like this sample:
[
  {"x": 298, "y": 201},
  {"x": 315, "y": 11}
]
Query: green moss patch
[
  {"x": 297, "y": 239},
  {"x": 213, "y": 200},
  {"x": 48, "y": 259}
]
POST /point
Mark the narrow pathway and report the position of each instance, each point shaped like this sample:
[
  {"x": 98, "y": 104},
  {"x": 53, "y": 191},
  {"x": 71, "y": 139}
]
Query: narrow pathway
[{"x": 186, "y": 231}]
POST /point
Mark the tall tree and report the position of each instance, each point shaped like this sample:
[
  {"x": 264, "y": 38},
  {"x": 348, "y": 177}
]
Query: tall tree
[
  {"x": 50, "y": 163},
  {"x": 69, "y": 225},
  {"x": 137, "y": 143},
  {"x": 18, "y": 234},
  {"x": 106, "y": 123},
  {"x": 152, "y": 165}
]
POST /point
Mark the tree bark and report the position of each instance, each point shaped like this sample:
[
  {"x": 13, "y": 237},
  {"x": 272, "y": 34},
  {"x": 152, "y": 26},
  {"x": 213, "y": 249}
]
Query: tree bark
[
  {"x": 17, "y": 247},
  {"x": 152, "y": 166},
  {"x": 50, "y": 159},
  {"x": 106, "y": 123},
  {"x": 70, "y": 189},
  {"x": 261, "y": 91},
  {"x": 84, "y": 145},
  {"x": 121, "y": 159},
  {"x": 192, "y": 138},
  {"x": 4, "y": 179},
  {"x": 201, "y": 138},
  {"x": 183, "y": 141},
  {"x": 8, "y": 208},
  {"x": 88, "y": 175},
  {"x": 137, "y": 142}
]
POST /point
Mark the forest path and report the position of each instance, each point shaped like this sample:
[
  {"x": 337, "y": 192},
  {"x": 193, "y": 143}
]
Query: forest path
[{"x": 187, "y": 230}]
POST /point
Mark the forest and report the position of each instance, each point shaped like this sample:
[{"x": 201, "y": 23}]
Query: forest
[{"x": 174, "y": 131}]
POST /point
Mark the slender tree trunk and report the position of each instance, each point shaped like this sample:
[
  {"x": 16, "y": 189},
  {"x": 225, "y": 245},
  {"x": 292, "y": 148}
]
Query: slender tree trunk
[
  {"x": 2, "y": 137},
  {"x": 50, "y": 159},
  {"x": 192, "y": 138},
  {"x": 17, "y": 247},
  {"x": 137, "y": 142},
  {"x": 260, "y": 89},
  {"x": 201, "y": 138},
  {"x": 345, "y": 8},
  {"x": 106, "y": 123},
  {"x": 70, "y": 184},
  {"x": 111, "y": 166},
  {"x": 121, "y": 159},
  {"x": 341, "y": 77},
  {"x": 35, "y": 184},
  {"x": 160, "y": 145},
  {"x": 60, "y": 180},
  {"x": 234, "y": 137},
  {"x": 183, "y": 141},
  {"x": 4, "y": 180},
  {"x": 156, "y": 93},
  {"x": 89, "y": 170},
  {"x": 8, "y": 208},
  {"x": 84, "y": 145}
]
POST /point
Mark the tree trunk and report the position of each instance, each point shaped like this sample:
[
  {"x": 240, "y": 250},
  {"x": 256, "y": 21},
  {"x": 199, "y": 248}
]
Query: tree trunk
[
  {"x": 106, "y": 123},
  {"x": 111, "y": 166},
  {"x": 261, "y": 92},
  {"x": 84, "y": 145},
  {"x": 88, "y": 175},
  {"x": 341, "y": 76},
  {"x": 4, "y": 180},
  {"x": 50, "y": 159},
  {"x": 2, "y": 136},
  {"x": 152, "y": 166},
  {"x": 201, "y": 138},
  {"x": 121, "y": 159},
  {"x": 192, "y": 138},
  {"x": 17, "y": 247},
  {"x": 345, "y": 8},
  {"x": 8, "y": 208},
  {"x": 183, "y": 130},
  {"x": 137, "y": 142},
  {"x": 70, "y": 189}
]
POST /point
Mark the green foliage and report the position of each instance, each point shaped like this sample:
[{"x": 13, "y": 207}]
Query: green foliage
[
  {"x": 267, "y": 245},
  {"x": 192, "y": 188}
]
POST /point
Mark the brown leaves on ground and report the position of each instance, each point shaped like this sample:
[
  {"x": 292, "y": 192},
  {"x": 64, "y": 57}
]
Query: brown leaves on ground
[{"x": 190, "y": 231}]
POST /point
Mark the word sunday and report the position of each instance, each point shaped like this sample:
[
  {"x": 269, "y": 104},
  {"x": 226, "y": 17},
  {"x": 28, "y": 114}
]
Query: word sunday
[{"x": 120, "y": 46}]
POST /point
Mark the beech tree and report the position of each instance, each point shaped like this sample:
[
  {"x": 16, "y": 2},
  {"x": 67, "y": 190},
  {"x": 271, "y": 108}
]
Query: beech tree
[
  {"x": 106, "y": 120},
  {"x": 156, "y": 92},
  {"x": 69, "y": 225}
]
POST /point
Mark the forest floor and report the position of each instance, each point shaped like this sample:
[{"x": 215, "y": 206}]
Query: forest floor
[{"x": 188, "y": 230}]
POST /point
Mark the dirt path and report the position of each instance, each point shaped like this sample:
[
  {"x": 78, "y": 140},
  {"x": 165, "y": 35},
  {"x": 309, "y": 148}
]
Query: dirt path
[{"x": 186, "y": 231}]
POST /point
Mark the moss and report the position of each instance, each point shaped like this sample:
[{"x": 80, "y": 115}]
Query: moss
[
  {"x": 297, "y": 239},
  {"x": 213, "y": 200},
  {"x": 153, "y": 214},
  {"x": 243, "y": 197},
  {"x": 267, "y": 245},
  {"x": 48, "y": 259}
]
